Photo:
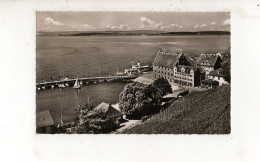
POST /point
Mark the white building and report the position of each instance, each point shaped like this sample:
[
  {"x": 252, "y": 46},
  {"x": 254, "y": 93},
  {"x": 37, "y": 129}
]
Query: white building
[{"x": 217, "y": 76}]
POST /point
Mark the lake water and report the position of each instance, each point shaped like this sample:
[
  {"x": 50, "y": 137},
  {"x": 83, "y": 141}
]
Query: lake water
[{"x": 69, "y": 55}]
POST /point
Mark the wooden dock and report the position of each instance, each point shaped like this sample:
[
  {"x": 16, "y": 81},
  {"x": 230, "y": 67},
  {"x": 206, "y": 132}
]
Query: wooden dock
[{"x": 87, "y": 80}]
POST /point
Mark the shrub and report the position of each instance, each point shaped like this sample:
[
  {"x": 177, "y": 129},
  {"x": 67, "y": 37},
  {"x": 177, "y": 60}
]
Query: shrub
[
  {"x": 89, "y": 121},
  {"x": 163, "y": 85},
  {"x": 137, "y": 100},
  {"x": 226, "y": 66}
]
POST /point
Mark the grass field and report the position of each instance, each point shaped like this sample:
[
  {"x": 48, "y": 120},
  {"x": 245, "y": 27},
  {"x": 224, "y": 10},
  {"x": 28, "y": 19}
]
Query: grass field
[{"x": 202, "y": 112}]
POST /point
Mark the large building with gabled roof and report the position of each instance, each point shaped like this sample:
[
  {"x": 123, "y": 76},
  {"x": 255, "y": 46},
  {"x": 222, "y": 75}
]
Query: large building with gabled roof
[{"x": 178, "y": 68}]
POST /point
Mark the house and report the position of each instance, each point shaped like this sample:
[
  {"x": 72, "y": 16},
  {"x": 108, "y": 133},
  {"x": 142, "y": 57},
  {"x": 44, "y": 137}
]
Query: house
[
  {"x": 209, "y": 62},
  {"x": 109, "y": 111},
  {"x": 209, "y": 83},
  {"x": 44, "y": 122},
  {"x": 178, "y": 68},
  {"x": 217, "y": 76}
]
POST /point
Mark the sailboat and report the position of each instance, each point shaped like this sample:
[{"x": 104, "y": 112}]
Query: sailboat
[{"x": 76, "y": 85}]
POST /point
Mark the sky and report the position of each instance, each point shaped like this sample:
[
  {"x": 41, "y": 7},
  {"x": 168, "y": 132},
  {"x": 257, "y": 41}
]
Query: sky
[{"x": 123, "y": 21}]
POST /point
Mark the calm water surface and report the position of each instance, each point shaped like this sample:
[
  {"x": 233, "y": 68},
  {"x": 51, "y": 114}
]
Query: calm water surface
[{"x": 68, "y": 55}]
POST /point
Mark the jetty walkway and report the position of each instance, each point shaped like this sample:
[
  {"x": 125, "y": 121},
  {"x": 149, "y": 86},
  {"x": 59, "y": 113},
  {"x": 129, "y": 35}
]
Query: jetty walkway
[{"x": 85, "y": 80}]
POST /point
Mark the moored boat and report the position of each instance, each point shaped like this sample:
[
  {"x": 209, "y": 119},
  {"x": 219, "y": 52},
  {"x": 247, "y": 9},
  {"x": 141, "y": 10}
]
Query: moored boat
[{"x": 76, "y": 85}]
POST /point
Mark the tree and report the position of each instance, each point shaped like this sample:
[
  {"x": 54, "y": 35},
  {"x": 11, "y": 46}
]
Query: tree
[
  {"x": 163, "y": 85},
  {"x": 89, "y": 121},
  {"x": 137, "y": 100},
  {"x": 226, "y": 66}
]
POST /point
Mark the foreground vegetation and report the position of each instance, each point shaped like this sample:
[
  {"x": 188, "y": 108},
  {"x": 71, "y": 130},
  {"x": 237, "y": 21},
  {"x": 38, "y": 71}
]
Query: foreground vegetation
[
  {"x": 138, "y": 100},
  {"x": 89, "y": 121},
  {"x": 205, "y": 112}
]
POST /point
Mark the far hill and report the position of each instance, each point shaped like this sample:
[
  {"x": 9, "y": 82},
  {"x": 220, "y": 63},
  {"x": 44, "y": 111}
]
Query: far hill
[
  {"x": 130, "y": 33},
  {"x": 205, "y": 112}
]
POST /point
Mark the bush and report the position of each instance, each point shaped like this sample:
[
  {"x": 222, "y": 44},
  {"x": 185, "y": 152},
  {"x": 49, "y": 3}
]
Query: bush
[
  {"x": 137, "y": 100},
  {"x": 89, "y": 121},
  {"x": 163, "y": 85},
  {"x": 226, "y": 66}
]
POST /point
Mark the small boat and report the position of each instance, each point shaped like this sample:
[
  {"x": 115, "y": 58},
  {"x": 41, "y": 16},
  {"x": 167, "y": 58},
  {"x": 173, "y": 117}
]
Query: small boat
[
  {"x": 39, "y": 88},
  {"x": 66, "y": 84},
  {"x": 95, "y": 82},
  {"x": 101, "y": 81},
  {"x": 76, "y": 85},
  {"x": 52, "y": 86},
  {"x": 80, "y": 82},
  {"x": 110, "y": 80},
  {"x": 43, "y": 87},
  {"x": 61, "y": 85}
]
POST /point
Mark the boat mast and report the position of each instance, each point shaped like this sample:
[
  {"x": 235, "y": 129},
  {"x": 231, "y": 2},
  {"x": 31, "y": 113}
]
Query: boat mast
[
  {"x": 117, "y": 70},
  {"x": 99, "y": 70},
  {"x": 61, "y": 112}
]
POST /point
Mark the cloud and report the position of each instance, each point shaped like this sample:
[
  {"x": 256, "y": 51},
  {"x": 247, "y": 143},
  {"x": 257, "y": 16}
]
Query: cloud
[
  {"x": 51, "y": 21},
  {"x": 158, "y": 26},
  {"x": 196, "y": 26},
  {"x": 226, "y": 22},
  {"x": 203, "y": 25},
  {"x": 181, "y": 26},
  {"x": 146, "y": 21},
  {"x": 213, "y": 23},
  {"x": 87, "y": 26},
  {"x": 119, "y": 27},
  {"x": 171, "y": 26},
  {"x": 113, "y": 27},
  {"x": 123, "y": 26}
]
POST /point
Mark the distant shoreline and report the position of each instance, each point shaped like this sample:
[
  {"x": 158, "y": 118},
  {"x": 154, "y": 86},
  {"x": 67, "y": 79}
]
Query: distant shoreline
[{"x": 130, "y": 33}]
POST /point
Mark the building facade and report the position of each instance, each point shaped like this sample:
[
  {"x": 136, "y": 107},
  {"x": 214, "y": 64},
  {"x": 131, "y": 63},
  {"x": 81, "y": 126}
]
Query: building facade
[
  {"x": 217, "y": 75},
  {"x": 188, "y": 75},
  {"x": 209, "y": 62},
  {"x": 184, "y": 70}
]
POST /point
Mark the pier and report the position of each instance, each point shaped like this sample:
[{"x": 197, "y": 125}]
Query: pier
[{"x": 84, "y": 81}]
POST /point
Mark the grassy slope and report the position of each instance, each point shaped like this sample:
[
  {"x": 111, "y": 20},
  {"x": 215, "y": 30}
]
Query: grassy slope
[{"x": 205, "y": 112}]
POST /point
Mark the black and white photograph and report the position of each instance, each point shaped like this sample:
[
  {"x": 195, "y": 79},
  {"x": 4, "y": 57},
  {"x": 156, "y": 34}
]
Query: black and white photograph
[
  {"x": 117, "y": 72},
  {"x": 129, "y": 81}
]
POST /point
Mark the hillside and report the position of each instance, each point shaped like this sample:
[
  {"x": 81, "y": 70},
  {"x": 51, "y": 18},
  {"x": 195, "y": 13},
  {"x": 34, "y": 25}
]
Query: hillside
[{"x": 205, "y": 112}]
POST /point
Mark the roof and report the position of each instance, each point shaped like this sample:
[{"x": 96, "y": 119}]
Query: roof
[
  {"x": 207, "y": 59},
  {"x": 166, "y": 59},
  {"x": 143, "y": 80},
  {"x": 43, "y": 119},
  {"x": 108, "y": 110},
  {"x": 169, "y": 60},
  {"x": 217, "y": 72}
]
